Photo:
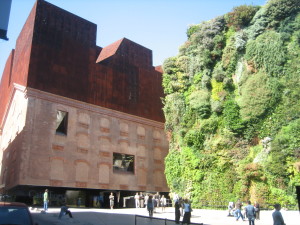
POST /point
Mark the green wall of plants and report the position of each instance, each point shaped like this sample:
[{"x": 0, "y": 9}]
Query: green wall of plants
[{"x": 232, "y": 107}]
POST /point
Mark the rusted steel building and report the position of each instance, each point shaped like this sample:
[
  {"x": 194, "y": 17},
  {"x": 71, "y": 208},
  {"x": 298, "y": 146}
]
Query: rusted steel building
[{"x": 78, "y": 117}]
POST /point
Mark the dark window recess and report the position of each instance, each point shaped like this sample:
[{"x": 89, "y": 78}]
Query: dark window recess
[
  {"x": 61, "y": 122},
  {"x": 133, "y": 86},
  {"x": 123, "y": 163}
]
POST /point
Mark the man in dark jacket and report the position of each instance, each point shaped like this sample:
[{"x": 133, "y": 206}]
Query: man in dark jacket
[{"x": 64, "y": 210}]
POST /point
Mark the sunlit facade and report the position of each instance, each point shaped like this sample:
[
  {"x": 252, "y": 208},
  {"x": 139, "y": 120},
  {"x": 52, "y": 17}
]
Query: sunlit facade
[{"x": 76, "y": 117}]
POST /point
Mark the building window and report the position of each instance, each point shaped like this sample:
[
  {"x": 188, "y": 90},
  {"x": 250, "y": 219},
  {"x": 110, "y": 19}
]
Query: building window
[
  {"x": 61, "y": 122},
  {"x": 123, "y": 163}
]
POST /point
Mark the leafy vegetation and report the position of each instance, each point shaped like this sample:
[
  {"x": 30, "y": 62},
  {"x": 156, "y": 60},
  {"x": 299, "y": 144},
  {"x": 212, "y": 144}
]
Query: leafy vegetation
[{"x": 232, "y": 107}]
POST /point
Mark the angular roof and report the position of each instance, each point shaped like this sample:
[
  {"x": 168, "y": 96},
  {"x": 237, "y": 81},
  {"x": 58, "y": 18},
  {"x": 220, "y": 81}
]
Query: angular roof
[{"x": 109, "y": 50}]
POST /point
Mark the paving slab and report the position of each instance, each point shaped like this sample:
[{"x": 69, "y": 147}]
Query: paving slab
[{"x": 132, "y": 216}]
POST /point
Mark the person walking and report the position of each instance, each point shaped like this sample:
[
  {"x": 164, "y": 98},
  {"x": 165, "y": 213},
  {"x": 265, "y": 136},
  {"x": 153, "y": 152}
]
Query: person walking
[
  {"x": 187, "y": 212},
  {"x": 238, "y": 212},
  {"x": 230, "y": 208},
  {"x": 64, "y": 210},
  {"x": 163, "y": 202},
  {"x": 250, "y": 213},
  {"x": 150, "y": 205},
  {"x": 46, "y": 200},
  {"x": 156, "y": 200},
  {"x": 111, "y": 200},
  {"x": 146, "y": 200},
  {"x": 177, "y": 211},
  {"x": 277, "y": 216},
  {"x": 257, "y": 210},
  {"x": 142, "y": 200},
  {"x": 137, "y": 200}
]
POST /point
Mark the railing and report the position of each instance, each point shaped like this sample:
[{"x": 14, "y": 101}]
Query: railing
[{"x": 145, "y": 220}]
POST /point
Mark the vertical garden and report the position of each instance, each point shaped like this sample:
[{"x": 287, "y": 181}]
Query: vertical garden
[{"x": 232, "y": 107}]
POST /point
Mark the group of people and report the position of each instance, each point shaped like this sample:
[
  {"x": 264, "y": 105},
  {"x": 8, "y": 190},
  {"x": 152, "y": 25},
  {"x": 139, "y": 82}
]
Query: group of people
[
  {"x": 252, "y": 212},
  {"x": 142, "y": 200},
  {"x": 237, "y": 210},
  {"x": 183, "y": 208}
]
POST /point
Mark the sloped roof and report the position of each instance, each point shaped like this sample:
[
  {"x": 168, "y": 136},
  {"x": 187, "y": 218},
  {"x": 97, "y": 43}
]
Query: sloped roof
[{"x": 109, "y": 50}]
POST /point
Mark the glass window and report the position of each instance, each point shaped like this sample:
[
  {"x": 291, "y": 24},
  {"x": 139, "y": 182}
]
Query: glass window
[
  {"x": 123, "y": 163},
  {"x": 61, "y": 122}
]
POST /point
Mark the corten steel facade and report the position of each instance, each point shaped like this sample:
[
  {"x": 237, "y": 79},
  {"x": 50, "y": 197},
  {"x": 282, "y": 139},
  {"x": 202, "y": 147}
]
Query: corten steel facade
[{"x": 111, "y": 101}]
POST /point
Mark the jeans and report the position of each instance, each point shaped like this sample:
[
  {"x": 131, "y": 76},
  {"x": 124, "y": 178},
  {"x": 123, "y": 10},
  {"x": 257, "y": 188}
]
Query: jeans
[
  {"x": 239, "y": 214},
  {"x": 251, "y": 221},
  {"x": 45, "y": 206},
  {"x": 62, "y": 213}
]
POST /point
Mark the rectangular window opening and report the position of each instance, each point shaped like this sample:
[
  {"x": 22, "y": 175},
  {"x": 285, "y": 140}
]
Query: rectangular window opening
[
  {"x": 61, "y": 122},
  {"x": 123, "y": 163}
]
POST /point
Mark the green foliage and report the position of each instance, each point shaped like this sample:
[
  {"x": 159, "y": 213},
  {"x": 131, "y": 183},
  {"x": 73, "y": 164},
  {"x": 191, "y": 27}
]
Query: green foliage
[
  {"x": 288, "y": 140},
  {"x": 271, "y": 15},
  {"x": 267, "y": 53},
  {"x": 256, "y": 97},
  {"x": 234, "y": 83},
  {"x": 278, "y": 10},
  {"x": 199, "y": 102},
  {"x": 194, "y": 138},
  {"x": 173, "y": 110},
  {"x": 280, "y": 196},
  {"x": 218, "y": 92},
  {"x": 235, "y": 47},
  {"x": 191, "y": 30},
  {"x": 249, "y": 173},
  {"x": 240, "y": 16},
  {"x": 173, "y": 171},
  {"x": 218, "y": 73},
  {"x": 174, "y": 79},
  {"x": 232, "y": 118},
  {"x": 205, "y": 45},
  {"x": 259, "y": 24}
]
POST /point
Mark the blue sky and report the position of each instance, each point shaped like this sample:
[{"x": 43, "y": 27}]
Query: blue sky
[{"x": 159, "y": 25}]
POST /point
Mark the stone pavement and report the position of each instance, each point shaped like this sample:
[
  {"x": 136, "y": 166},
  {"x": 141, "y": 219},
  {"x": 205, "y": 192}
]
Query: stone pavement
[{"x": 131, "y": 216}]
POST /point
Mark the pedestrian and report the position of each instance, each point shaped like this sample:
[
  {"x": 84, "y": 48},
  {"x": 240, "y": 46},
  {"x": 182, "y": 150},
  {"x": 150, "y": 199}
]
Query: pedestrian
[
  {"x": 111, "y": 200},
  {"x": 150, "y": 205},
  {"x": 257, "y": 210},
  {"x": 238, "y": 212},
  {"x": 142, "y": 200},
  {"x": 250, "y": 213},
  {"x": 46, "y": 200},
  {"x": 146, "y": 200},
  {"x": 156, "y": 200},
  {"x": 64, "y": 210},
  {"x": 177, "y": 211},
  {"x": 163, "y": 202},
  {"x": 230, "y": 208},
  {"x": 101, "y": 200},
  {"x": 187, "y": 212},
  {"x": 182, "y": 205},
  {"x": 277, "y": 217},
  {"x": 78, "y": 202},
  {"x": 175, "y": 198},
  {"x": 137, "y": 200}
]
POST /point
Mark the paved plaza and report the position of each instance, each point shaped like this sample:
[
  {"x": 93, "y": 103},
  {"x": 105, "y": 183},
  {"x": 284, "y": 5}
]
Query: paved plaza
[{"x": 83, "y": 216}]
